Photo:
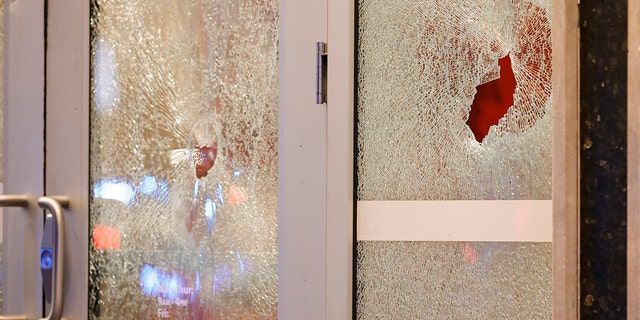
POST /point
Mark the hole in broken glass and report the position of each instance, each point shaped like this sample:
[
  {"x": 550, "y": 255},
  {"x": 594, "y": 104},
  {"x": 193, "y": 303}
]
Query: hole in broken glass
[{"x": 492, "y": 100}]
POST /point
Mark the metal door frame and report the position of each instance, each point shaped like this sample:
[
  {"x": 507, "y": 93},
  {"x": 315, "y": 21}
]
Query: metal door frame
[{"x": 23, "y": 155}]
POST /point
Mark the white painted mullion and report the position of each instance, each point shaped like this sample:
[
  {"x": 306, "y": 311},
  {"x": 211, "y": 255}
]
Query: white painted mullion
[
  {"x": 302, "y": 188},
  {"x": 475, "y": 220},
  {"x": 340, "y": 169}
]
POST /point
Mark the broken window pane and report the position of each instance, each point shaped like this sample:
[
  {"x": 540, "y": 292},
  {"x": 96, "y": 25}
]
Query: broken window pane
[
  {"x": 420, "y": 66},
  {"x": 453, "y": 103},
  {"x": 184, "y": 159},
  {"x": 453, "y": 280}
]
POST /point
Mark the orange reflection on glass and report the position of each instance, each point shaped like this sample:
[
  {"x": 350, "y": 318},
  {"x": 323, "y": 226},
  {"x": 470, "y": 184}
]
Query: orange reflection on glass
[
  {"x": 106, "y": 238},
  {"x": 470, "y": 253},
  {"x": 237, "y": 194}
]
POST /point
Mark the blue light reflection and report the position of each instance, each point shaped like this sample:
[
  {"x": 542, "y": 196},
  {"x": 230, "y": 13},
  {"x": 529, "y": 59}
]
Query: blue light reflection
[
  {"x": 150, "y": 279},
  {"x": 210, "y": 212},
  {"x": 125, "y": 192},
  {"x": 154, "y": 187},
  {"x": 114, "y": 189},
  {"x": 172, "y": 286},
  {"x": 148, "y": 185},
  {"x": 219, "y": 194},
  {"x": 154, "y": 282}
]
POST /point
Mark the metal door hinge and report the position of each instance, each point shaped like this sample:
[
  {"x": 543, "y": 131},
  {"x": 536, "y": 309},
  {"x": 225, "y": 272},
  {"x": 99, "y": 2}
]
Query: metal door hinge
[{"x": 321, "y": 72}]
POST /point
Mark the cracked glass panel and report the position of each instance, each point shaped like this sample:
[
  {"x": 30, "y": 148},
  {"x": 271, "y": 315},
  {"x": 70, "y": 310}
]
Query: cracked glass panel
[
  {"x": 453, "y": 280},
  {"x": 453, "y": 103},
  {"x": 425, "y": 68},
  {"x": 184, "y": 159}
]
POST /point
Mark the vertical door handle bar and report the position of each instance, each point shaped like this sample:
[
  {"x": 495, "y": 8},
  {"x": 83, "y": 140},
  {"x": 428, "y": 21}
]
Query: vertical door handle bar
[{"x": 55, "y": 205}]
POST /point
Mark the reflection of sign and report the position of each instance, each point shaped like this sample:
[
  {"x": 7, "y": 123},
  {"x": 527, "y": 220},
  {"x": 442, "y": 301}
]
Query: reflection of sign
[
  {"x": 169, "y": 302},
  {"x": 170, "y": 290},
  {"x": 163, "y": 313},
  {"x": 157, "y": 283}
]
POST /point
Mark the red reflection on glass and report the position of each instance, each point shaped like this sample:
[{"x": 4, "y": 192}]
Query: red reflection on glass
[
  {"x": 492, "y": 100},
  {"x": 237, "y": 194},
  {"x": 204, "y": 158},
  {"x": 470, "y": 253},
  {"x": 106, "y": 238}
]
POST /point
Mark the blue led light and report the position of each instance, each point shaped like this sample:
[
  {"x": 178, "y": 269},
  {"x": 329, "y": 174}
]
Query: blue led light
[{"x": 46, "y": 258}]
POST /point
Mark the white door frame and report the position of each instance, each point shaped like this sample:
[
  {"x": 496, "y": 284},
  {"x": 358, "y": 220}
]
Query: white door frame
[
  {"x": 23, "y": 155},
  {"x": 565, "y": 171},
  {"x": 302, "y": 185},
  {"x": 340, "y": 161},
  {"x": 67, "y": 123}
]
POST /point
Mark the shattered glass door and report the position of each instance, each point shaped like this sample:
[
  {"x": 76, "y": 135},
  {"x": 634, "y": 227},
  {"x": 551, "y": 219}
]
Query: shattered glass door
[
  {"x": 184, "y": 128},
  {"x": 454, "y": 110}
]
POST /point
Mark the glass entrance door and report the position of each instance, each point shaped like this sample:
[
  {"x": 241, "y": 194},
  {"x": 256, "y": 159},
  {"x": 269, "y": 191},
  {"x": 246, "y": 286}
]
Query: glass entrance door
[
  {"x": 162, "y": 130},
  {"x": 182, "y": 164}
]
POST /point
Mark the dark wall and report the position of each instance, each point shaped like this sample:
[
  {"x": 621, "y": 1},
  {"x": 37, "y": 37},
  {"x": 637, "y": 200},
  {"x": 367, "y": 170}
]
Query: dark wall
[{"x": 603, "y": 159}]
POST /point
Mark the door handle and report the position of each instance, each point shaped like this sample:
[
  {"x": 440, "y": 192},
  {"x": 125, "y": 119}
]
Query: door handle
[
  {"x": 54, "y": 205},
  {"x": 14, "y": 201}
]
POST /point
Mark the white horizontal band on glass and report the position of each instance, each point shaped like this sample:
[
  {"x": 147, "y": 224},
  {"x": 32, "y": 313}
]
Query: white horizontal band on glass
[{"x": 474, "y": 220}]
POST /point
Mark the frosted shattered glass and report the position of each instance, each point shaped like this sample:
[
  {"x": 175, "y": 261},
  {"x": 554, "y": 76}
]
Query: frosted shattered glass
[
  {"x": 419, "y": 64},
  {"x": 425, "y": 71},
  {"x": 184, "y": 159},
  {"x": 453, "y": 280}
]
